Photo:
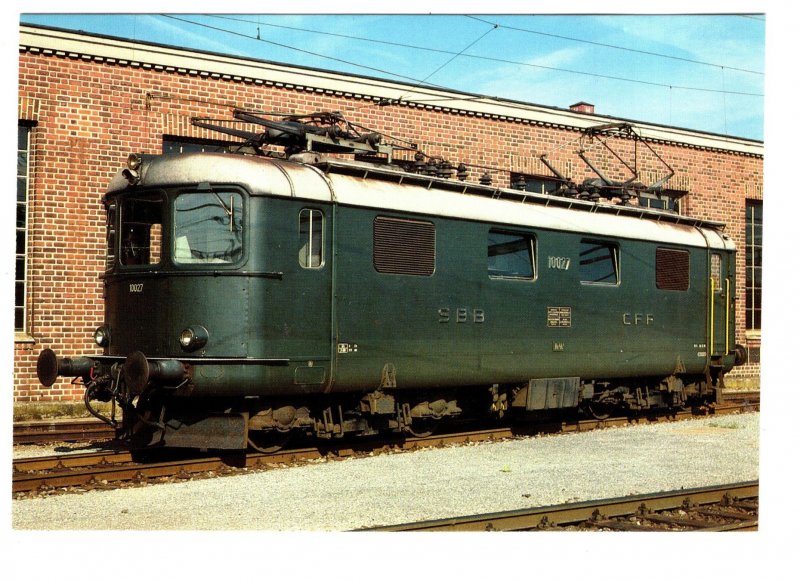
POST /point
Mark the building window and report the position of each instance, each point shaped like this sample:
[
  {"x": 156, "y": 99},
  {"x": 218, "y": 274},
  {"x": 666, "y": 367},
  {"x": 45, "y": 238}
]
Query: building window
[
  {"x": 667, "y": 201},
  {"x": 20, "y": 277},
  {"x": 672, "y": 269},
  {"x": 403, "y": 246},
  {"x": 511, "y": 255},
  {"x": 173, "y": 145},
  {"x": 310, "y": 238},
  {"x": 753, "y": 237},
  {"x": 536, "y": 184},
  {"x": 599, "y": 263}
]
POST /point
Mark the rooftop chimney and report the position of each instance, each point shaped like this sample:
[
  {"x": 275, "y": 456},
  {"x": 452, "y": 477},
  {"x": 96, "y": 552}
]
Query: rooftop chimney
[{"x": 582, "y": 107}]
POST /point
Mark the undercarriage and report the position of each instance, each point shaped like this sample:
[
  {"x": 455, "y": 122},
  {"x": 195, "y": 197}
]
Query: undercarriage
[
  {"x": 158, "y": 418},
  {"x": 154, "y": 404}
]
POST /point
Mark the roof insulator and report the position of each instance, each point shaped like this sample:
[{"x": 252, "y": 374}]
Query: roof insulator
[
  {"x": 419, "y": 162},
  {"x": 445, "y": 170}
]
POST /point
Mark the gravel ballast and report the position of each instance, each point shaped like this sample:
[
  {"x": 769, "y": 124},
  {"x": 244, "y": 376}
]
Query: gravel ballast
[{"x": 426, "y": 484}]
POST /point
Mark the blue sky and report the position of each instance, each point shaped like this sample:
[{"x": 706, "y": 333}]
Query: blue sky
[{"x": 703, "y": 72}]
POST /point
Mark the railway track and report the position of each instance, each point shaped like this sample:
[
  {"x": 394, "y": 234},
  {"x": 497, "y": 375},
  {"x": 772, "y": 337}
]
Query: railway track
[
  {"x": 117, "y": 468},
  {"x": 77, "y": 430},
  {"x": 77, "y": 472},
  {"x": 732, "y": 507},
  {"x": 744, "y": 397}
]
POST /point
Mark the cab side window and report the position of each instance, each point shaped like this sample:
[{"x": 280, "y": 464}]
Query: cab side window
[
  {"x": 599, "y": 263},
  {"x": 511, "y": 255},
  {"x": 310, "y": 238}
]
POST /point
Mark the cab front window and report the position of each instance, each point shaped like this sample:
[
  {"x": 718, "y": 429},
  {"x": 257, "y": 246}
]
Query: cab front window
[
  {"x": 140, "y": 233},
  {"x": 207, "y": 227}
]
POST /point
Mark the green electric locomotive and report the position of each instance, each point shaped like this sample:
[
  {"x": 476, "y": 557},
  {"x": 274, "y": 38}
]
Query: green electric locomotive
[{"x": 252, "y": 297}]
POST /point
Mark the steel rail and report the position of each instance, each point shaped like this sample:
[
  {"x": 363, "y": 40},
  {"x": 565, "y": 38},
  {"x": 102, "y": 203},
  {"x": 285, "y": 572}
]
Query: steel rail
[
  {"x": 597, "y": 512},
  {"x": 81, "y": 470},
  {"x": 70, "y": 461},
  {"x": 61, "y": 431}
]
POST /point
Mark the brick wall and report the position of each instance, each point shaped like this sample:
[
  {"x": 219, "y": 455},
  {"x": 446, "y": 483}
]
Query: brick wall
[{"x": 91, "y": 113}]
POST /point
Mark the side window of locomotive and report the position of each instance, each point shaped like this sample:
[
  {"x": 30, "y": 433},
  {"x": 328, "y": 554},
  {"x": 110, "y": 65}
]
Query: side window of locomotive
[
  {"x": 310, "y": 238},
  {"x": 111, "y": 234},
  {"x": 208, "y": 228},
  {"x": 672, "y": 269},
  {"x": 140, "y": 230},
  {"x": 599, "y": 263},
  {"x": 511, "y": 255},
  {"x": 716, "y": 271},
  {"x": 402, "y": 246}
]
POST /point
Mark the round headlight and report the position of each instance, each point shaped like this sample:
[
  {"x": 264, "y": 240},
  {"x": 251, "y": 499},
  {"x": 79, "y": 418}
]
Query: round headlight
[
  {"x": 134, "y": 161},
  {"x": 187, "y": 336},
  {"x": 132, "y": 176},
  {"x": 192, "y": 338},
  {"x": 102, "y": 336}
]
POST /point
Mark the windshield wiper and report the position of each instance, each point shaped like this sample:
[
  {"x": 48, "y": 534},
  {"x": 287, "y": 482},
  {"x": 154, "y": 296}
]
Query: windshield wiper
[{"x": 228, "y": 211}]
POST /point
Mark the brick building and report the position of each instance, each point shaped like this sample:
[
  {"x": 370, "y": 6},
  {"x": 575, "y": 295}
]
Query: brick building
[{"x": 87, "y": 101}]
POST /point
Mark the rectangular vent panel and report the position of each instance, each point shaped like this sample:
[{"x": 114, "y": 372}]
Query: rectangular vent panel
[
  {"x": 403, "y": 246},
  {"x": 672, "y": 269}
]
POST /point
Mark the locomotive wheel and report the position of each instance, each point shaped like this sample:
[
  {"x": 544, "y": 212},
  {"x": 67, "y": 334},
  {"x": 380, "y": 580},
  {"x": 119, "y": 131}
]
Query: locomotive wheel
[
  {"x": 423, "y": 427},
  {"x": 268, "y": 442}
]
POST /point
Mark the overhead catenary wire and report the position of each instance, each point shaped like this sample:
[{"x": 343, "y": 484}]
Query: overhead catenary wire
[
  {"x": 613, "y": 46},
  {"x": 474, "y": 56},
  {"x": 294, "y": 48},
  {"x": 473, "y": 43},
  {"x": 420, "y": 83}
]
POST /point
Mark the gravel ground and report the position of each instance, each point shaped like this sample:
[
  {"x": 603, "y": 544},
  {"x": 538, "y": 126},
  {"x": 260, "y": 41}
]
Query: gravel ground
[{"x": 427, "y": 484}]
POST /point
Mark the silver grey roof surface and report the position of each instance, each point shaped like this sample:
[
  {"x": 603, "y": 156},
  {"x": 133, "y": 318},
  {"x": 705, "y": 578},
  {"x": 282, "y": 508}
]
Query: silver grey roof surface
[{"x": 393, "y": 190}]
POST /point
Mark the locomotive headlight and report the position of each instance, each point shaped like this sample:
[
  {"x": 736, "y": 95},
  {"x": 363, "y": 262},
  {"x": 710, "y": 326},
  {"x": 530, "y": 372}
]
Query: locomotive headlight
[
  {"x": 194, "y": 337},
  {"x": 134, "y": 161},
  {"x": 102, "y": 336},
  {"x": 133, "y": 172},
  {"x": 132, "y": 176}
]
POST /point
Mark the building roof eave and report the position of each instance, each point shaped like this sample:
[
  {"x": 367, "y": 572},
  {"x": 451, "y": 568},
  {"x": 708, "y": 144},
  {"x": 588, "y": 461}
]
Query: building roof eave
[{"x": 189, "y": 61}]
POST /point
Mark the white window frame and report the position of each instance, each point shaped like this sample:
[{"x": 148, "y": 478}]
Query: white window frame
[{"x": 22, "y": 332}]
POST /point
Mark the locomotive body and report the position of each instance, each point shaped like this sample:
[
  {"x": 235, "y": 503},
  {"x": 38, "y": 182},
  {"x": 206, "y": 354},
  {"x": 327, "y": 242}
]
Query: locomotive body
[{"x": 247, "y": 298}]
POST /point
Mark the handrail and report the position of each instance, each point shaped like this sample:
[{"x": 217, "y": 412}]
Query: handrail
[
  {"x": 711, "y": 322},
  {"x": 727, "y": 315}
]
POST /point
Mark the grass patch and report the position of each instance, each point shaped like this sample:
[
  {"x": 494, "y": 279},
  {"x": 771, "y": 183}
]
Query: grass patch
[
  {"x": 29, "y": 412},
  {"x": 724, "y": 425}
]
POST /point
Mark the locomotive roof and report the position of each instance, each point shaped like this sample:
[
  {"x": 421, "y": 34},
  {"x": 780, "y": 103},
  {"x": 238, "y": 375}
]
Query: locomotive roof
[{"x": 370, "y": 185}]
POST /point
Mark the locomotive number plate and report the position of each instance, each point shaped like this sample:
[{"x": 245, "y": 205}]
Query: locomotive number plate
[
  {"x": 347, "y": 348},
  {"x": 558, "y": 262}
]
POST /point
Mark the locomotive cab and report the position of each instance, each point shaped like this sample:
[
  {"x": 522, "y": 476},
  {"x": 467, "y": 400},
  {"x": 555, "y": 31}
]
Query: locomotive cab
[{"x": 192, "y": 310}]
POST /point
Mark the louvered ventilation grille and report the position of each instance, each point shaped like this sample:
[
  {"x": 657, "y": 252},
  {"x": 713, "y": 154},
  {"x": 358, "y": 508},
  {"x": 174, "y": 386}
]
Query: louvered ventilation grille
[
  {"x": 404, "y": 246},
  {"x": 672, "y": 269}
]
